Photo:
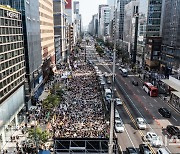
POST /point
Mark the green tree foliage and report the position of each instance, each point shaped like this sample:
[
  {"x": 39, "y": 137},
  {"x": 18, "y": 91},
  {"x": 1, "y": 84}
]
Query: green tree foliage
[
  {"x": 51, "y": 102},
  {"x": 38, "y": 135},
  {"x": 99, "y": 50},
  {"x": 109, "y": 45}
]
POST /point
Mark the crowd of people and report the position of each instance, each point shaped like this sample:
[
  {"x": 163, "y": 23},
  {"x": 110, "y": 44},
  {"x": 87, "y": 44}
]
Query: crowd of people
[{"x": 81, "y": 114}]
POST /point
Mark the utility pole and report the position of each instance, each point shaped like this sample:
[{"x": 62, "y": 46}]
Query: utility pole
[{"x": 111, "y": 143}]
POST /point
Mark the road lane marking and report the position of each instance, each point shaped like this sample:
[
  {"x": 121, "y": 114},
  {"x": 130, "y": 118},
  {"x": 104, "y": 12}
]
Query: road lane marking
[
  {"x": 155, "y": 100},
  {"x": 138, "y": 91},
  {"x": 151, "y": 105},
  {"x": 144, "y": 97},
  {"x": 174, "y": 118},
  {"x": 129, "y": 137},
  {"x": 152, "y": 149}
]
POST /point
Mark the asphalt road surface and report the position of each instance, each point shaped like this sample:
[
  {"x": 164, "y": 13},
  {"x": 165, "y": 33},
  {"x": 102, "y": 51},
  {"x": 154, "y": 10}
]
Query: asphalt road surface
[{"x": 137, "y": 103}]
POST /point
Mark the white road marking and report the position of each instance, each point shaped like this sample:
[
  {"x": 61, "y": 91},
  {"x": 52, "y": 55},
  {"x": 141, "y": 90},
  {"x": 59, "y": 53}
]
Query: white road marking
[
  {"x": 133, "y": 104},
  {"x": 144, "y": 97},
  {"x": 151, "y": 105},
  {"x": 155, "y": 100},
  {"x": 174, "y": 118},
  {"x": 129, "y": 137},
  {"x": 138, "y": 91}
]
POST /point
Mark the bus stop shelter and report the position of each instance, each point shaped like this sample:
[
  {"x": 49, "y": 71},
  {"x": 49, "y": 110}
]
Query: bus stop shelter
[{"x": 174, "y": 87}]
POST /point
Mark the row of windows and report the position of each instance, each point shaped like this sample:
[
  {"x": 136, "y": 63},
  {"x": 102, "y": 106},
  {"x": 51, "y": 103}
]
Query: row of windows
[
  {"x": 46, "y": 8},
  {"x": 8, "y": 22},
  {"x": 9, "y": 47},
  {"x": 12, "y": 62},
  {"x": 45, "y": 15},
  {"x": 4, "y": 13},
  {"x": 11, "y": 86},
  {"x": 11, "y": 71},
  {"x": 47, "y": 38},
  {"x": 47, "y": 31},
  {"x": 8, "y": 30},
  {"x": 10, "y": 55},
  {"x": 11, "y": 39},
  {"x": 48, "y": 2},
  {"x": 46, "y": 23}
]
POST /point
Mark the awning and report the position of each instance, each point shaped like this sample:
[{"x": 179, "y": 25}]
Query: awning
[
  {"x": 176, "y": 93},
  {"x": 171, "y": 84}
]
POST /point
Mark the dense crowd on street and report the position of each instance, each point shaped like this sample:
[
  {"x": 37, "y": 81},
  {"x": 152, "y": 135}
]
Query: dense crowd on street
[{"x": 81, "y": 114}]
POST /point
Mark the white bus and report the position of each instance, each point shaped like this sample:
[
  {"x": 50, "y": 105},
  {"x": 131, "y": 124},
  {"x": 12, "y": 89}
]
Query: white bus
[{"x": 123, "y": 72}]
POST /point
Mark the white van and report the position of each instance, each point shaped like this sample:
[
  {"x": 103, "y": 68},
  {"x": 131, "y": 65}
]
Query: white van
[{"x": 108, "y": 94}]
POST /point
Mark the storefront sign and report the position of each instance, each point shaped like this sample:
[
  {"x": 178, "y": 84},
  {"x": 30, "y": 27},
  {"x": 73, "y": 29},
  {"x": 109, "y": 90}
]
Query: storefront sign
[{"x": 12, "y": 15}]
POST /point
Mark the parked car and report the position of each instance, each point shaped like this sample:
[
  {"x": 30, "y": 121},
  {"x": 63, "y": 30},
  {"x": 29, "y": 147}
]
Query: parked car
[
  {"x": 173, "y": 131},
  {"x": 131, "y": 150},
  {"x": 141, "y": 123},
  {"x": 119, "y": 126},
  {"x": 135, "y": 83},
  {"x": 162, "y": 151},
  {"x": 164, "y": 112},
  {"x": 144, "y": 149},
  {"x": 153, "y": 139},
  {"x": 117, "y": 113},
  {"x": 118, "y": 101}
]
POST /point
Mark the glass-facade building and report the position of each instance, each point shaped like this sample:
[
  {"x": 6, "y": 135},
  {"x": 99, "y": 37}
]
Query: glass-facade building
[
  {"x": 32, "y": 46},
  {"x": 12, "y": 69},
  {"x": 120, "y": 17},
  {"x": 171, "y": 36},
  {"x": 149, "y": 32}
]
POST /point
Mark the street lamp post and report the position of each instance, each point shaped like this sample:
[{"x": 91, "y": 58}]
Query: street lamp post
[{"x": 111, "y": 144}]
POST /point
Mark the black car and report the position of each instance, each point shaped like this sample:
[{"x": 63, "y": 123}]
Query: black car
[
  {"x": 135, "y": 83},
  {"x": 164, "y": 112},
  {"x": 131, "y": 150},
  {"x": 144, "y": 149},
  {"x": 173, "y": 131}
]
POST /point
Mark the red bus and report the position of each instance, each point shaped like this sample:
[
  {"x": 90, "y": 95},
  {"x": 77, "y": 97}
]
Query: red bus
[{"x": 150, "y": 89}]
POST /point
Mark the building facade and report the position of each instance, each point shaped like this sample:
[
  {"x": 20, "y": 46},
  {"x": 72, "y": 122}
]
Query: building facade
[
  {"x": 170, "y": 58},
  {"x": 77, "y": 21},
  {"x": 57, "y": 45},
  {"x": 12, "y": 70},
  {"x": 99, "y": 18},
  {"x": 60, "y": 26},
  {"x": 47, "y": 37},
  {"x": 32, "y": 47},
  {"x": 130, "y": 12},
  {"x": 149, "y": 33},
  {"x": 120, "y": 17},
  {"x": 105, "y": 22}
]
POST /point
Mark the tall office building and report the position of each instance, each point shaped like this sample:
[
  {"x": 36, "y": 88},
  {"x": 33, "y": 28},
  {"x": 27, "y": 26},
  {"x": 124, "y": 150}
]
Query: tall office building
[
  {"x": 12, "y": 70},
  {"x": 120, "y": 17},
  {"x": 32, "y": 47},
  {"x": 130, "y": 12},
  {"x": 131, "y": 9},
  {"x": 77, "y": 21},
  {"x": 149, "y": 32},
  {"x": 99, "y": 17},
  {"x": 60, "y": 20},
  {"x": 47, "y": 37},
  {"x": 104, "y": 22},
  {"x": 69, "y": 13},
  {"x": 111, "y": 4},
  {"x": 170, "y": 58}
]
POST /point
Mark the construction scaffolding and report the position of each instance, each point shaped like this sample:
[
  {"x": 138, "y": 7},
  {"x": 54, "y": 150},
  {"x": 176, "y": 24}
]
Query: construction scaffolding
[{"x": 83, "y": 146}]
